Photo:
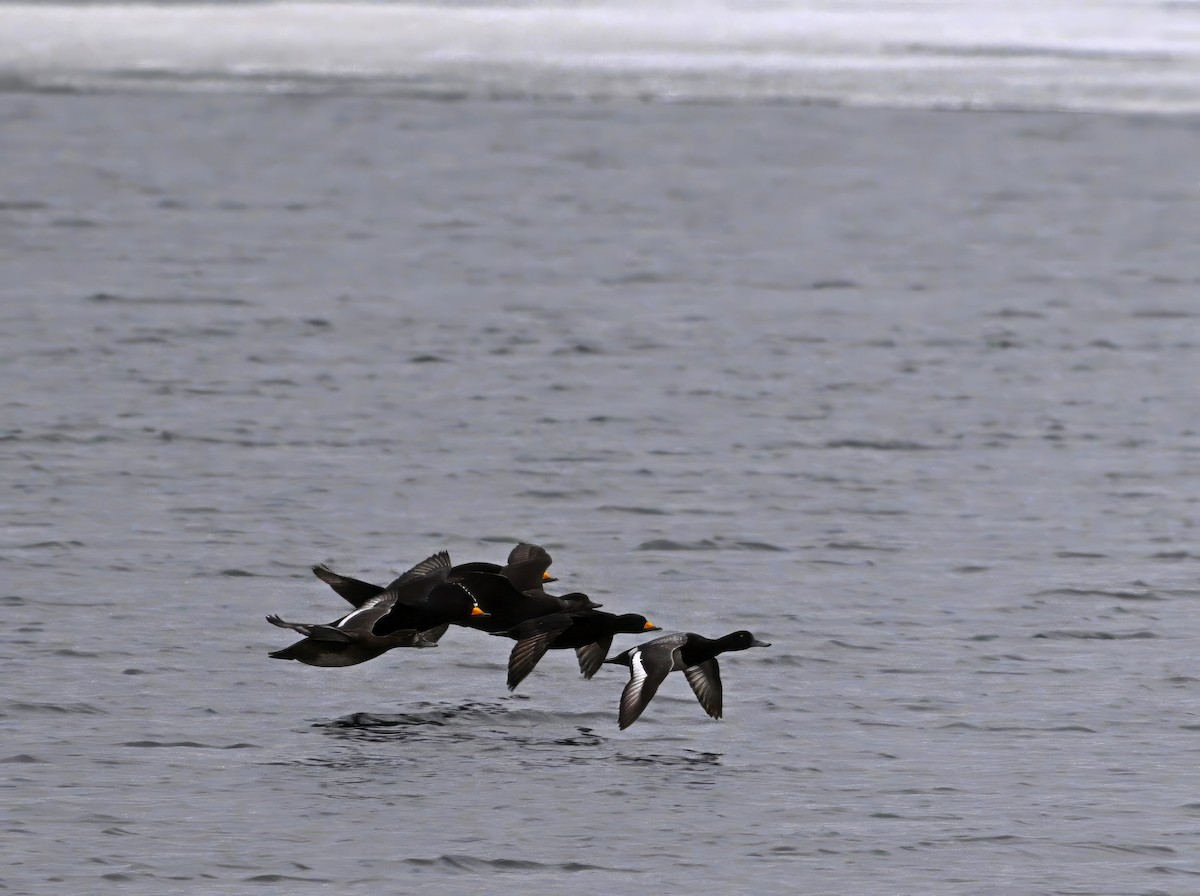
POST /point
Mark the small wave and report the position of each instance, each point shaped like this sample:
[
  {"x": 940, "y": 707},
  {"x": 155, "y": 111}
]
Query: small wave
[
  {"x": 193, "y": 744},
  {"x": 647, "y": 511},
  {"x": 706, "y": 544},
  {"x": 1098, "y": 592},
  {"x": 823, "y": 285},
  {"x": 858, "y": 546},
  {"x": 968, "y": 726},
  {"x": 368, "y": 720},
  {"x": 429, "y": 715},
  {"x": 848, "y": 646},
  {"x": 667, "y": 544},
  {"x": 879, "y": 445},
  {"x": 477, "y": 865},
  {"x": 1174, "y": 555},
  {"x": 686, "y": 759},
  {"x": 1006, "y": 313},
  {"x": 74, "y": 223},
  {"x": 793, "y": 850},
  {"x": 1085, "y": 635},
  {"x": 42, "y": 545},
  {"x": 637, "y": 278},
  {"x": 57, "y": 708},
  {"x": 1030, "y": 51},
  {"x": 792, "y": 660},
  {"x": 21, "y": 205},
  {"x": 1144, "y": 849},
  {"x": 1170, "y": 869},
  {"x": 552, "y": 494},
  {"x": 114, "y": 299}
]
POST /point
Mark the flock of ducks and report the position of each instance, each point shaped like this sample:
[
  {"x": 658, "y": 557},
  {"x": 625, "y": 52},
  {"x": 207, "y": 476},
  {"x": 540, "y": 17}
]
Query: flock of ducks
[{"x": 510, "y": 600}]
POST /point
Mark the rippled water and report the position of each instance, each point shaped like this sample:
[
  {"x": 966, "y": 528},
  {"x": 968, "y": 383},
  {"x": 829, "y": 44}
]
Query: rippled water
[{"x": 910, "y": 395}]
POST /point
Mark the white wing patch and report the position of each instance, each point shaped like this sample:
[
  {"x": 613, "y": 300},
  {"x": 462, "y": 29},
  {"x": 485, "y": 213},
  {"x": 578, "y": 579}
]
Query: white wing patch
[
  {"x": 642, "y": 686},
  {"x": 381, "y": 597},
  {"x": 637, "y": 669},
  {"x": 349, "y": 619}
]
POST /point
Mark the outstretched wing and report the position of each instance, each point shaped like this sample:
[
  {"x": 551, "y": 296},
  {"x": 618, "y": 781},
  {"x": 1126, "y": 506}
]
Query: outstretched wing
[
  {"x": 525, "y": 655},
  {"x": 526, "y": 567},
  {"x": 525, "y": 552},
  {"x": 316, "y": 631},
  {"x": 437, "y": 564},
  {"x": 534, "y": 638},
  {"x": 301, "y": 627},
  {"x": 434, "y": 635},
  {"x": 647, "y": 669},
  {"x": 591, "y": 656},
  {"x": 353, "y": 590},
  {"x": 705, "y": 679}
]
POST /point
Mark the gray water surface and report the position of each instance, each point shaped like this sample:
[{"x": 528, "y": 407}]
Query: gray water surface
[{"x": 910, "y": 395}]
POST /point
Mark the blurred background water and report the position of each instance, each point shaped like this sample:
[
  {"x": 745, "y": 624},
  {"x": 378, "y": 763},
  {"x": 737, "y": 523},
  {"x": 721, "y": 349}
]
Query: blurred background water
[
  {"x": 1131, "y": 55},
  {"x": 907, "y": 392}
]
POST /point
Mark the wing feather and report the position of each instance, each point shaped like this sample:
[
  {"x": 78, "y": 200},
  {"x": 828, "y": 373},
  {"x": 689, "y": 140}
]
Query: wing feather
[
  {"x": 525, "y": 552},
  {"x": 591, "y": 656},
  {"x": 647, "y": 669},
  {"x": 705, "y": 679},
  {"x": 435, "y": 634},
  {"x": 353, "y": 590},
  {"x": 327, "y": 633},
  {"x": 525, "y": 655},
  {"x": 435, "y": 564}
]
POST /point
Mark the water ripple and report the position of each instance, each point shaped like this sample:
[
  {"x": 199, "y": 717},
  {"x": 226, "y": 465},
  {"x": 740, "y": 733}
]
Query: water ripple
[{"x": 476, "y": 865}]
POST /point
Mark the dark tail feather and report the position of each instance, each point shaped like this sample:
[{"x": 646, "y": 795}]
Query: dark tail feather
[{"x": 288, "y": 653}]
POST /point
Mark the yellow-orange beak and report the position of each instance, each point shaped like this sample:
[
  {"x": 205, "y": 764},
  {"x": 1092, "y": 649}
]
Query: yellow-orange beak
[
  {"x": 650, "y": 627},
  {"x": 546, "y": 577},
  {"x": 475, "y": 611}
]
